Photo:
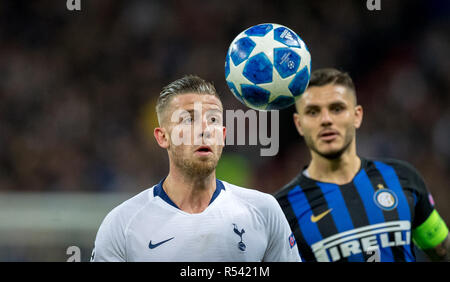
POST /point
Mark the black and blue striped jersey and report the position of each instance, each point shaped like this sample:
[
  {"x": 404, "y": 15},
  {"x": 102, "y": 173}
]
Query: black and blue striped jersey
[{"x": 376, "y": 211}]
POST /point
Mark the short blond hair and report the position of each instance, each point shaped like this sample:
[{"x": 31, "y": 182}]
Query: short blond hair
[{"x": 186, "y": 84}]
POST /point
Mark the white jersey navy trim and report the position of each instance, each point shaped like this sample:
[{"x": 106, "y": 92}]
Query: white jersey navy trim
[
  {"x": 159, "y": 191},
  {"x": 239, "y": 225}
]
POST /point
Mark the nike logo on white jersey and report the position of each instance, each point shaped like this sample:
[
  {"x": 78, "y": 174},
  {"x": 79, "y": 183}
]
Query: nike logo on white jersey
[{"x": 152, "y": 246}]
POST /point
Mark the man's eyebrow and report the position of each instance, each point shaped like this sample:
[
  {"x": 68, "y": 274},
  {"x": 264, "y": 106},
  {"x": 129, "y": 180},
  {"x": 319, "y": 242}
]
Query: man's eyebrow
[
  {"x": 215, "y": 110},
  {"x": 190, "y": 112},
  {"x": 311, "y": 106},
  {"x": 337, "y": 103},
  {"x": 184, "y": 113}
]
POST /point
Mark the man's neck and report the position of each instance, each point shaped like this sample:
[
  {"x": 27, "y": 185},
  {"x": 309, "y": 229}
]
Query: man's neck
[
  {"x": 190, "y": 194},
  {"x": 339, "y": 171}
]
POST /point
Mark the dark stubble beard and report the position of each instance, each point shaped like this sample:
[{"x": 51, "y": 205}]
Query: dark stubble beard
[{"x": 333, "y": 155}]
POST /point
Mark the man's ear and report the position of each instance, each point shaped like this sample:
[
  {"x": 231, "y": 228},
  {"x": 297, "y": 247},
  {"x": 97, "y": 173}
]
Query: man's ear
[
  {"x": 358, "y": 116},
  {"x": 161, "y": 137},
  {"x": 298, "y": 124}
]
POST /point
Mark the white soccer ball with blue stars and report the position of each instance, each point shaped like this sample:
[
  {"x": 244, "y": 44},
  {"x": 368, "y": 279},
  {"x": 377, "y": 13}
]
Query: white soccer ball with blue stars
[{"x": 268, "y": 67}]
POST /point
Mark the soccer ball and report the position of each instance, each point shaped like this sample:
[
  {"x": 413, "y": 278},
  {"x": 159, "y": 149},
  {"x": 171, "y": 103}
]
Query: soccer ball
[{"x": 267, "y": 67}]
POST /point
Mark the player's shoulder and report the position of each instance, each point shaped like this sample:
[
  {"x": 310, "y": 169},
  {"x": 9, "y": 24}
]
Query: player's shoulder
[
  {"x": 246, "y": 193},
  {"x": 298, "y": 180},
  {"x": 256, "y": 198},
  {"x": 125, "y": 211},
  {"x": 402, "y": 168},
  {"x": 408, "y": 175}
]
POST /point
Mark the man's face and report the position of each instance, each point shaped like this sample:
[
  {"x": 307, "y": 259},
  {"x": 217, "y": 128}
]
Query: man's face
[
  {"x": 194, "y": 131},
  {"x": 328, "y": 118}
]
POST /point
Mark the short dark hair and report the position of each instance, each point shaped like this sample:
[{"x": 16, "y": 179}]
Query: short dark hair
[
  {"x": 186, "y": 84},
  {"x": 326, "y": 76}
]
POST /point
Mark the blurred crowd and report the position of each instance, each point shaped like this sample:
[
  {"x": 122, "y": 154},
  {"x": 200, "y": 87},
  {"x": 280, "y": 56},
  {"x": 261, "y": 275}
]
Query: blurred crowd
[{"x": 78, "y": 88}]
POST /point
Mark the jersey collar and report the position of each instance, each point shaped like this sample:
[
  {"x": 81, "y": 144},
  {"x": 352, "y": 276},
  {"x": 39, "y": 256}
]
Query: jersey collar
[
  {"x": 305, "y": 175},
  {"x": 159, "y": 191}
]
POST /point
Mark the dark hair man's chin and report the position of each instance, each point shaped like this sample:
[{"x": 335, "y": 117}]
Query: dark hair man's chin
[{"x": 331, "y": 155}]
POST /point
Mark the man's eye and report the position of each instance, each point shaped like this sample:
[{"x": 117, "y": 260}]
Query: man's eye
[
  {"x": 187, "y": 120},
  {"x": 311, "y": 112},
  {"x": 337, "y": 109}
]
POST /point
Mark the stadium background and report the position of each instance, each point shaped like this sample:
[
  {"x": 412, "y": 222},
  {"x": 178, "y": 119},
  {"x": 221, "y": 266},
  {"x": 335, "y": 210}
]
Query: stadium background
[{"x": 78, "y": 90}]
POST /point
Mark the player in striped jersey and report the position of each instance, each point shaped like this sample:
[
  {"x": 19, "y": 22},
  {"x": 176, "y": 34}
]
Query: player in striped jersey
[{"x": 342, "y": 207}]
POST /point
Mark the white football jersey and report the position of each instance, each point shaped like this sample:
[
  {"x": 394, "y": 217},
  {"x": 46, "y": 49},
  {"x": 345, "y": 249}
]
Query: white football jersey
[{"x": 238, "y": 225}]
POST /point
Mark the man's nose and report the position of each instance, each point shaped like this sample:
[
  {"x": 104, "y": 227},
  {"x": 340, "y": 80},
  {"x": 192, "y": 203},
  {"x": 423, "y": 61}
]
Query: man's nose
[
  {"x": 206, "y": 129},
  {"x": 206, "y": 133},
  {"x": 326, "y": 118}
]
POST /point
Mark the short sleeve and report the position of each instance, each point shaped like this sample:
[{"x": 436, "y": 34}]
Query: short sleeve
[
  {"x": 424, "y": 203},
  {"x": 413, "y": 181},
  {"x": 282, "y": 246},
  {"x": 110, "y": 241},
  {"x": 428, "y": 228}
]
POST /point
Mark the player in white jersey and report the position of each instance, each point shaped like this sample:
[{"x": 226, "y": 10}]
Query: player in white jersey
[{"x": 190, "y": 215}]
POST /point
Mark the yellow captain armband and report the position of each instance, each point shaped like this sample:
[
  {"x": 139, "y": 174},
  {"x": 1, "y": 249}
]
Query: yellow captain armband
[{"x": 430, "y": 233}]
